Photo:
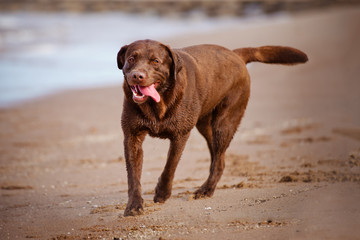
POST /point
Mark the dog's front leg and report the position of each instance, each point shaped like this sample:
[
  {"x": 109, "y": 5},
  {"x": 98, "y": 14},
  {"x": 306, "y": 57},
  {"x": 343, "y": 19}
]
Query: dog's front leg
[
  {"x": 163, "y": 188},
  {"x": 134, "y": 160}
]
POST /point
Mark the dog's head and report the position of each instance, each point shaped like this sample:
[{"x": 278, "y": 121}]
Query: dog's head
[{"x": 149, "y": 68}]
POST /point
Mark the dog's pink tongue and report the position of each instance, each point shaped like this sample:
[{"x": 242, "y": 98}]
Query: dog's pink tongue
[{"x": 151, "y": 92}]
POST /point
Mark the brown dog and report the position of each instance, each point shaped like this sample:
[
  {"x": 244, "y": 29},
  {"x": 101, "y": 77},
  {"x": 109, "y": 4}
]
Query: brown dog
[{"x": 169, "y": 91}]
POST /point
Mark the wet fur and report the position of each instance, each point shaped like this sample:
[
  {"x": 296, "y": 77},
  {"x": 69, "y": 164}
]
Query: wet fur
[{"x": 206, "y": 86}]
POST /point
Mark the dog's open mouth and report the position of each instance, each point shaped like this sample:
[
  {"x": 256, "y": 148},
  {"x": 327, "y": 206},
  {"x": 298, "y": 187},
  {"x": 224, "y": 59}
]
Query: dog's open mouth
[{"x": 141, "y": 93}]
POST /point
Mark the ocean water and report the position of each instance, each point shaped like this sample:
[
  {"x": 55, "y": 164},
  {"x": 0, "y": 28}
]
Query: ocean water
[{"x": 42, "y": 53}]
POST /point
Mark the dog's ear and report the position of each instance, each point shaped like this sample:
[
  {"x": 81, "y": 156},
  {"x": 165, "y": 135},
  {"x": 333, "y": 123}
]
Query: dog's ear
[
  {"x": 121, "y": 57},
  {"x": 176, "y": 62}
]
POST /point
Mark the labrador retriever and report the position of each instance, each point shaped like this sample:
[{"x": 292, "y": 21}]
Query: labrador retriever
[{"x": 169, "y": 91}]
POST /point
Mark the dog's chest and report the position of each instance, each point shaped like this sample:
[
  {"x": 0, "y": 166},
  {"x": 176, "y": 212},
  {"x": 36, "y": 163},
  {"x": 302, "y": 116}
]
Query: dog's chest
[
  {"x": 175, "y": 123},
  {"x": 166, "y": 128}
]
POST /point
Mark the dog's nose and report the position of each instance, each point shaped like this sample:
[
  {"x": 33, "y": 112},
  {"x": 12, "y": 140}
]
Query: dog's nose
[{"x": 138, "y": 76}]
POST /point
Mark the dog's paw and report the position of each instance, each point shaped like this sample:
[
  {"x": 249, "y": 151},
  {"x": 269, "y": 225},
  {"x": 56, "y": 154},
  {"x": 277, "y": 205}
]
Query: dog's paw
[
  {"x": 203, "y": 193},
  {"x": 159, "y": 199},
  {"x": 161, "y": 195},
  {"x": 134, "y": 209}
]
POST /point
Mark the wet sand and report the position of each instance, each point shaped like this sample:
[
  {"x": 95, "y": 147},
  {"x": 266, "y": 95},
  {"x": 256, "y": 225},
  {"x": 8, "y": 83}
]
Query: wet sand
[{"x": 292, "y": 169}]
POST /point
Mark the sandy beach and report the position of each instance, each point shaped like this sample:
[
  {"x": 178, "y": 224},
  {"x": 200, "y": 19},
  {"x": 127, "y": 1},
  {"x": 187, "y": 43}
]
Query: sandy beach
[{"x": 292, "y": 169}]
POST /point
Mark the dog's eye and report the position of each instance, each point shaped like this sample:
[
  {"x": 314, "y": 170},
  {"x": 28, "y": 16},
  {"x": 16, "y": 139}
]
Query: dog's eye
[
  {"x": 131, "y": 59},
  {"x": 156, "y": 61}
]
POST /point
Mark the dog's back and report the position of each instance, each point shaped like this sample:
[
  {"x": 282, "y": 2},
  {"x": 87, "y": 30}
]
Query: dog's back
[{"x": 213, "y": 71}]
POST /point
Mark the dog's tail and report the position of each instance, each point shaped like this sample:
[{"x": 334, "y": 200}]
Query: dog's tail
[{"x": 272, "y": 54}]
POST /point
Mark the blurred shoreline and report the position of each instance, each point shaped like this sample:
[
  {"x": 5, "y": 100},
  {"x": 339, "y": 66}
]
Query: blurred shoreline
[
  {"x": 182, "y": 8},
  {"x": 43, "y": 53}
]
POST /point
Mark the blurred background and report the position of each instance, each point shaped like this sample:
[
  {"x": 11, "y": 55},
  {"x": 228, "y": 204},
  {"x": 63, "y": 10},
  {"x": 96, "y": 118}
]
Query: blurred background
[{"x": 48, "y": 46}]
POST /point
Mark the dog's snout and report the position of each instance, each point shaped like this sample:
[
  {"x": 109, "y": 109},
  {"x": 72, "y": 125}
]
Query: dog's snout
[{"x": 138, "y": 76}]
